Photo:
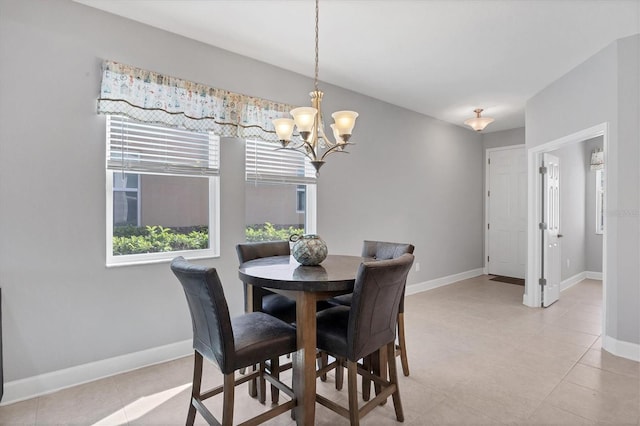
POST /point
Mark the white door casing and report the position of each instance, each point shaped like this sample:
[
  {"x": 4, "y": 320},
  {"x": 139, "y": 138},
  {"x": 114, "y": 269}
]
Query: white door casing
[
  {"x": 507, "y": 211},
  {"x": 550, "y": 230}
]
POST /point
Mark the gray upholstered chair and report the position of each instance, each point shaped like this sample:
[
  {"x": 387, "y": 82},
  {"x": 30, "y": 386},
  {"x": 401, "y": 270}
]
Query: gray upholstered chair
[
  {"x": 354, "y": 332},
  {"x": 232, "y": 344},
  {"x": 381, "y": 250},
  {"x": 264, "y": 300},
  {"x": 267, "y": 301}
]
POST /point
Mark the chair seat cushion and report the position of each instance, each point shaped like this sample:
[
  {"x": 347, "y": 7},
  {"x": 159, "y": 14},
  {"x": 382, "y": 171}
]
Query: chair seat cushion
[
  {"x": 332, "y": 327},
  {"x": 342, "y": 300},
  {"x": 259, "y": 336},
  {"x": 284, "y": 308},
  {"x": 280, "y": 307}
]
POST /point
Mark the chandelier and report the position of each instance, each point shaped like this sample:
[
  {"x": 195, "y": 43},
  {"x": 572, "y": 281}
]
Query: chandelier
[
  {"x": 478, "y": 123},
  {"x": 310, "y": 124}
]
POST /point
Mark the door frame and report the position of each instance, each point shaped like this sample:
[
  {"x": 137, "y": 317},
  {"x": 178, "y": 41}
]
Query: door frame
[
  {"x": 486, "y": 197},
  {"x": 532, "y": 295}
]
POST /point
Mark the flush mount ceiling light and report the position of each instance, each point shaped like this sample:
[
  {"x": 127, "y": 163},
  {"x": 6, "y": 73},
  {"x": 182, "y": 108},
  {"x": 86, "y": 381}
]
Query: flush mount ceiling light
[
  {"x": 309, "y": 121},
  {"x": 478, "y": 123}
]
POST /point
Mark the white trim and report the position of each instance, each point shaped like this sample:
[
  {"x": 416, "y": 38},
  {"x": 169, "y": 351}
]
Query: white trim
[
  {"x": 571, "y": 281},
  {"x": 532, "y": 295},
  {"x": 621, "y": 348},
  {"x": 594, "y": 275},
  {"x": 486, "y": 198},
  {"x": 439, "y": 282},
  {"x": 19, "y": 390}
]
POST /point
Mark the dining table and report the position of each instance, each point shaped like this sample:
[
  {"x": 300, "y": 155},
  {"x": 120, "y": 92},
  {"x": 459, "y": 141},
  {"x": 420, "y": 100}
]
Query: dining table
[{"x": 306, "y": 285}]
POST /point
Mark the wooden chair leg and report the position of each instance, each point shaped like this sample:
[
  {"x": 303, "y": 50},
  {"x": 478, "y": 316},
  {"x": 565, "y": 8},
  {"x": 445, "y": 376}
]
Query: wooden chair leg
[
  {"x": 275, "y": 372},
  {"x": 195, "y": 387},
  {"x": 393, "y": 378},
  {"x": 366, "y": 383},
  {"x": 228, "y": 397},
  {"x": 253, "y": 385},
  {"x": 352, "y": 385},
  {"x": 339, "y": 375},
  {"x": 377, "y": 368},
  {"x": 323, "y": 361},
  {"x": 262, "y": 384},
  {"x": 402, "y": 345}
]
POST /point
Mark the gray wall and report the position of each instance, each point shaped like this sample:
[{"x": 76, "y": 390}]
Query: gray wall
[
  {"x": 605, "y": 88},
  {"x": 593, "y": 241},
  {"x": 410, "y": 178},
  {"x": 572, "y": 209},
  {"x": 503, "y": 138}
]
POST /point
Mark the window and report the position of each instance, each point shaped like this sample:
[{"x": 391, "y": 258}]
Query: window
[
  {"x": 162, "y": 192},
  {"x": 301, "y": 198},
  {"x": 599, "y": 201},
  {"x": 280, "y": 192}
]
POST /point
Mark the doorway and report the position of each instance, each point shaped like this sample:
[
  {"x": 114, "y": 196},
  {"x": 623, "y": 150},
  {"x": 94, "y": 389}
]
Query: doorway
[
  {"x": 506, "y": 211},
  {"x": 535, "y": 253}
]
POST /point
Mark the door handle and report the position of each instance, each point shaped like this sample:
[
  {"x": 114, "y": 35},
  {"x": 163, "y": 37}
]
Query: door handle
[{"x": 560, "y": 235}]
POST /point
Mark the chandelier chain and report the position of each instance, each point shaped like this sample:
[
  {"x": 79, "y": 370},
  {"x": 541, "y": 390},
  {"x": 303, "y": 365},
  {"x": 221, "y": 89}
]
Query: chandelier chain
[{"x": 316, "y": 71}]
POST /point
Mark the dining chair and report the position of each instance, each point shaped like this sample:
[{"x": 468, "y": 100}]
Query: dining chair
[
  {"x": 231, "y": 343},
  {"x": 381, "y": 250},
  {"x": 354, "y": 332},
  {"x": 273, "y": 304}
]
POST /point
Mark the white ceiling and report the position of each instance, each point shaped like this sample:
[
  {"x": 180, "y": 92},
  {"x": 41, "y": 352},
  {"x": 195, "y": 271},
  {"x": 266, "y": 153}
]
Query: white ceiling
[{"x": 442, "y": 58}]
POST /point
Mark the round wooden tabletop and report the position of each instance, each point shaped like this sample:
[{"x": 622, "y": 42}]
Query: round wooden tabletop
[{"x": 335, "y": 273}]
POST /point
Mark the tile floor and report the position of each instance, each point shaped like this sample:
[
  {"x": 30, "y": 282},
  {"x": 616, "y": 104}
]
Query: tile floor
[{"x": 477, "y": 356}]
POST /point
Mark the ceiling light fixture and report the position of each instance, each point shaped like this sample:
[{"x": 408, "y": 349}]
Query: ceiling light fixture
[
  {"x": 478, "y": 123},
  {"x": 315, "y": 144}
]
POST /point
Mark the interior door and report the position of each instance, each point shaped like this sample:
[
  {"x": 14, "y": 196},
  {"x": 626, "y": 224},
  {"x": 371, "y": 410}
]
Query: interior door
[
  {"x": 507, "y": 212},
  {"x": 551, "y": 263}
]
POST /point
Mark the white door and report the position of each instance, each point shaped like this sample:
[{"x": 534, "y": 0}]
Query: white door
[
  {"x": 507, "y": 212},
  {"x": 551, "y": 263}
]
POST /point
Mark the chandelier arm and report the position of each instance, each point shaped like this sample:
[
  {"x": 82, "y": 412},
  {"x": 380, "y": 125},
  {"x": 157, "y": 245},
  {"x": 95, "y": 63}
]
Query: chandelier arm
[
  {"x": 335, "y": 149},
  {"x": 327, "y": 140}
]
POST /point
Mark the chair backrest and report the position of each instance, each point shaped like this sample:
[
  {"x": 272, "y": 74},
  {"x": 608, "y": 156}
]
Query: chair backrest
[
  {"x": 381, "y": 250},
  {"x": 250, "y": 251},
  {"x": 212, "y": 332},
  {"x": 377, "y": 293}
]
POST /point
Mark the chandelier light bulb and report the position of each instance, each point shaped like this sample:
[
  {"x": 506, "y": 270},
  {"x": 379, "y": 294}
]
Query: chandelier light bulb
[{"x": 284, "y": 128}]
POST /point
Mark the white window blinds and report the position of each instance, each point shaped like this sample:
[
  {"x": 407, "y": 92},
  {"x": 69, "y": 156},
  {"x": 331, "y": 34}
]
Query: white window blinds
[
  {"x": 266, "y": 163},
  {"x": 141, "y": 147}
]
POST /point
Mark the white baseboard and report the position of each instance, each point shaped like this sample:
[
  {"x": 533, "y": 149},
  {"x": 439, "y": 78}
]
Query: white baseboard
[
  {"x": 30, "y": 387},
  {"x": 621, "y": 348},
  {"x": 571, "y": 281},
  {"x": 439, "y": 282},
  {"x": 594, "y": 275}
]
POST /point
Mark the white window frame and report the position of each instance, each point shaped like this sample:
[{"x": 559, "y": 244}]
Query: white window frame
[
  {"x": 286, "y": 176},
  {"x": 147, "y": 258}
]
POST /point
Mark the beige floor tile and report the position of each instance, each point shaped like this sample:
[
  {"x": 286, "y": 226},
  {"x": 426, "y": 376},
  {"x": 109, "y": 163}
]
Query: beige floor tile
[
  {"x": 451, "y": 412},
  {"x": 494, "y": 402},
  {"x": 95, "y": 402},
  {"x": 477, "y": 357},
  {"x": 595, "y": 405},
  {"x": 604, "y": 381},
  {"x": 605, "y": 361},
  {"x": 547, "y": 414},
  {"x": 564, "y": 335},
  {"x": 19, "y": 413}
]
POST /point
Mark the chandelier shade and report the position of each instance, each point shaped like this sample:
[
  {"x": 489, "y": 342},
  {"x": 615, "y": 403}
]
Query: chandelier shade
[
  {"x": 478, "y": 123},
  {"x": 309, "y": 123}
]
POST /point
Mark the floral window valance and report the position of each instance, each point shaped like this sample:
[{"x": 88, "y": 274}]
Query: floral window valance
[{"x": 151, "y": 97}]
